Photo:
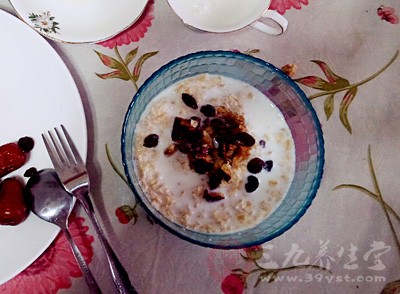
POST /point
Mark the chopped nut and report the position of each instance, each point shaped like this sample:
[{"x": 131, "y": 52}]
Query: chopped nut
[
  {"x": 171, "y": 149},
  {"x": 230, "y": 152},
  {"x": 207, "y": 139},
  {"x": 229, "y": 115},
  {"x": 195, "y": 121},
  {"x": 212, "y": 196},
  {"x": 227, "y": 171}
]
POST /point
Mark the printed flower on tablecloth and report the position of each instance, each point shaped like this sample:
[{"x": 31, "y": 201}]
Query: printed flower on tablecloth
[
  {"x": 388, "y": 14},
  {"x": 53, "y": 270},
  {"x": 253, "y": 253},
  {"x": 125, "y": 213},
  {"x": 233, "y": 284},
  {"x": 135, "y": 32},
  {"x": 236, "y": 281},
  {"x": 120, "y": 65},
  {"x": 332, "y": 84},
  {"x": 282, "y": 5}
]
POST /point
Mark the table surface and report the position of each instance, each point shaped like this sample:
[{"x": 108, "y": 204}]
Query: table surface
[{"x": 346, "y": 230}]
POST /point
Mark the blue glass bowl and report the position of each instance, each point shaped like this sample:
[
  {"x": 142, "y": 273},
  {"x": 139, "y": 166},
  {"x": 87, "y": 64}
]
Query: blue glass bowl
[{"x": 285, "y": 94}]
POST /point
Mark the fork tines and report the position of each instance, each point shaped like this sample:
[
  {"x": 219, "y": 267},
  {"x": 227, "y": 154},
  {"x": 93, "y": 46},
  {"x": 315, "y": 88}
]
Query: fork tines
[{"x": 61, "y": 153}]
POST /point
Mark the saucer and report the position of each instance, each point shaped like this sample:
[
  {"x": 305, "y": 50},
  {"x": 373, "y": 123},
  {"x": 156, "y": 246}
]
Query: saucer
[{"x": 79, "y": 21}]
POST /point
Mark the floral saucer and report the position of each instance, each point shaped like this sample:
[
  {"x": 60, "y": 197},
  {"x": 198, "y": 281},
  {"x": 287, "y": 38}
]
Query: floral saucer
[{"x": 79, "y": 21}]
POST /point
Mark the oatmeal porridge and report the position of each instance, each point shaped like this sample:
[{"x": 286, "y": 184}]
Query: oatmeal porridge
[{"x": 213, "y": 154}]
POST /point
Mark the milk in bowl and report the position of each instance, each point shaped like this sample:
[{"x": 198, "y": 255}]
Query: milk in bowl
[{"x": 213, "y": 154}]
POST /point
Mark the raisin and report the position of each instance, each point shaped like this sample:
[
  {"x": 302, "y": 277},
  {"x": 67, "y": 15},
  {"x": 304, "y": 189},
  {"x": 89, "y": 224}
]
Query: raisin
[
  {"x": 183, "y": 147},
  {"x": 150, "y": 141},
  {"x": 262, "y": 143},
  {"x": 208, "y": 110},
  {"x": 218, "y": 124},
  {"x": 245, "y": 139},
  {"x": 214, "y": 180},
  {"x": 201, "y": 166},
  {"x": 252, "y": 184},
  {"x": 255, "y": 165},
  {"x": 195, "y": 136},
  {"x": 26, "y": 144},
  {"x": 189, "y": 100},
  {"x": 268, "y": 165},
  {"x": 30, "y": 172}
]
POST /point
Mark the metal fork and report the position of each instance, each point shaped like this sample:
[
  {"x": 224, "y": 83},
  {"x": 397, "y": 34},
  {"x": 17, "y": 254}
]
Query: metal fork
[{"x": 73, "y": 174}]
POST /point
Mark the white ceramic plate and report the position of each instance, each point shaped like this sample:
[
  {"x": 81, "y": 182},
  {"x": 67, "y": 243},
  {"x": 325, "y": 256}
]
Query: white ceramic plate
[
  {"x": 79, "y": 21},
  {"x": 37, "y": 93}
]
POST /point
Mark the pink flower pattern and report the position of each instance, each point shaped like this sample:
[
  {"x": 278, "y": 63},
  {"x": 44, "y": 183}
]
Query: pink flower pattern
[
  {"x": 135, "y": 32},
  {"x": 233, "y": 284},
  {"x": 388, "y": 14},
  {"x": 53, "y": 270},
  {"x": 282, "y": 5}
]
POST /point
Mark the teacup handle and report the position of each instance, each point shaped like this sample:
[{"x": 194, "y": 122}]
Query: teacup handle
[{"x": 276, "y": 17}]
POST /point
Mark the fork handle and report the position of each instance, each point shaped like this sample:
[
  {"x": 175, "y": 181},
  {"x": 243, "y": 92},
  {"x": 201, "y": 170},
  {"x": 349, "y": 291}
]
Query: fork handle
[
  {"x": 90, "y": 280},
  {"x": 118, "y": 272}
]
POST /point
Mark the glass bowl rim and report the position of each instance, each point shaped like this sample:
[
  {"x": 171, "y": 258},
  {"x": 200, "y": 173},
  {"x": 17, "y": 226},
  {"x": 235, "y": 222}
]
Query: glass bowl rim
[{"x": 319, "y": 136}]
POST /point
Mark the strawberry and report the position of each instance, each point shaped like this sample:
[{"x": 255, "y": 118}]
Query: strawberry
[
  {"x": 13, "y": 208},
  {"x": 14, "y": 155}
]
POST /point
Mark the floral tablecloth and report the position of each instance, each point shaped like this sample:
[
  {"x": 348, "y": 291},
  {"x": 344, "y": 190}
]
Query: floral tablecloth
[{"x": 344, "y": 55}]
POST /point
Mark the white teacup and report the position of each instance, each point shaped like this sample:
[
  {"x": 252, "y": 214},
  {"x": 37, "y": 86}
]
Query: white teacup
[{"x": 222, "y": 16}]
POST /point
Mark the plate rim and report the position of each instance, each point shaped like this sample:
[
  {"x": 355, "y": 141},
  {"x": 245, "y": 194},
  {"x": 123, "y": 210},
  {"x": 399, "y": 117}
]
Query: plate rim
[
  {"x": 19, "y": 25},
  {"x": 60, "y": 40}
]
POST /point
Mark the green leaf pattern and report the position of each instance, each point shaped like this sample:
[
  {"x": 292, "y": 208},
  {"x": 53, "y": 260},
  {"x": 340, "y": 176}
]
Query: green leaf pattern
[
  {"x": 344, "y": 106},
  {"x": 335, "y": 84},
  {"x": 329, "y": 105},
  {"x": 121, "y": 65}
]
